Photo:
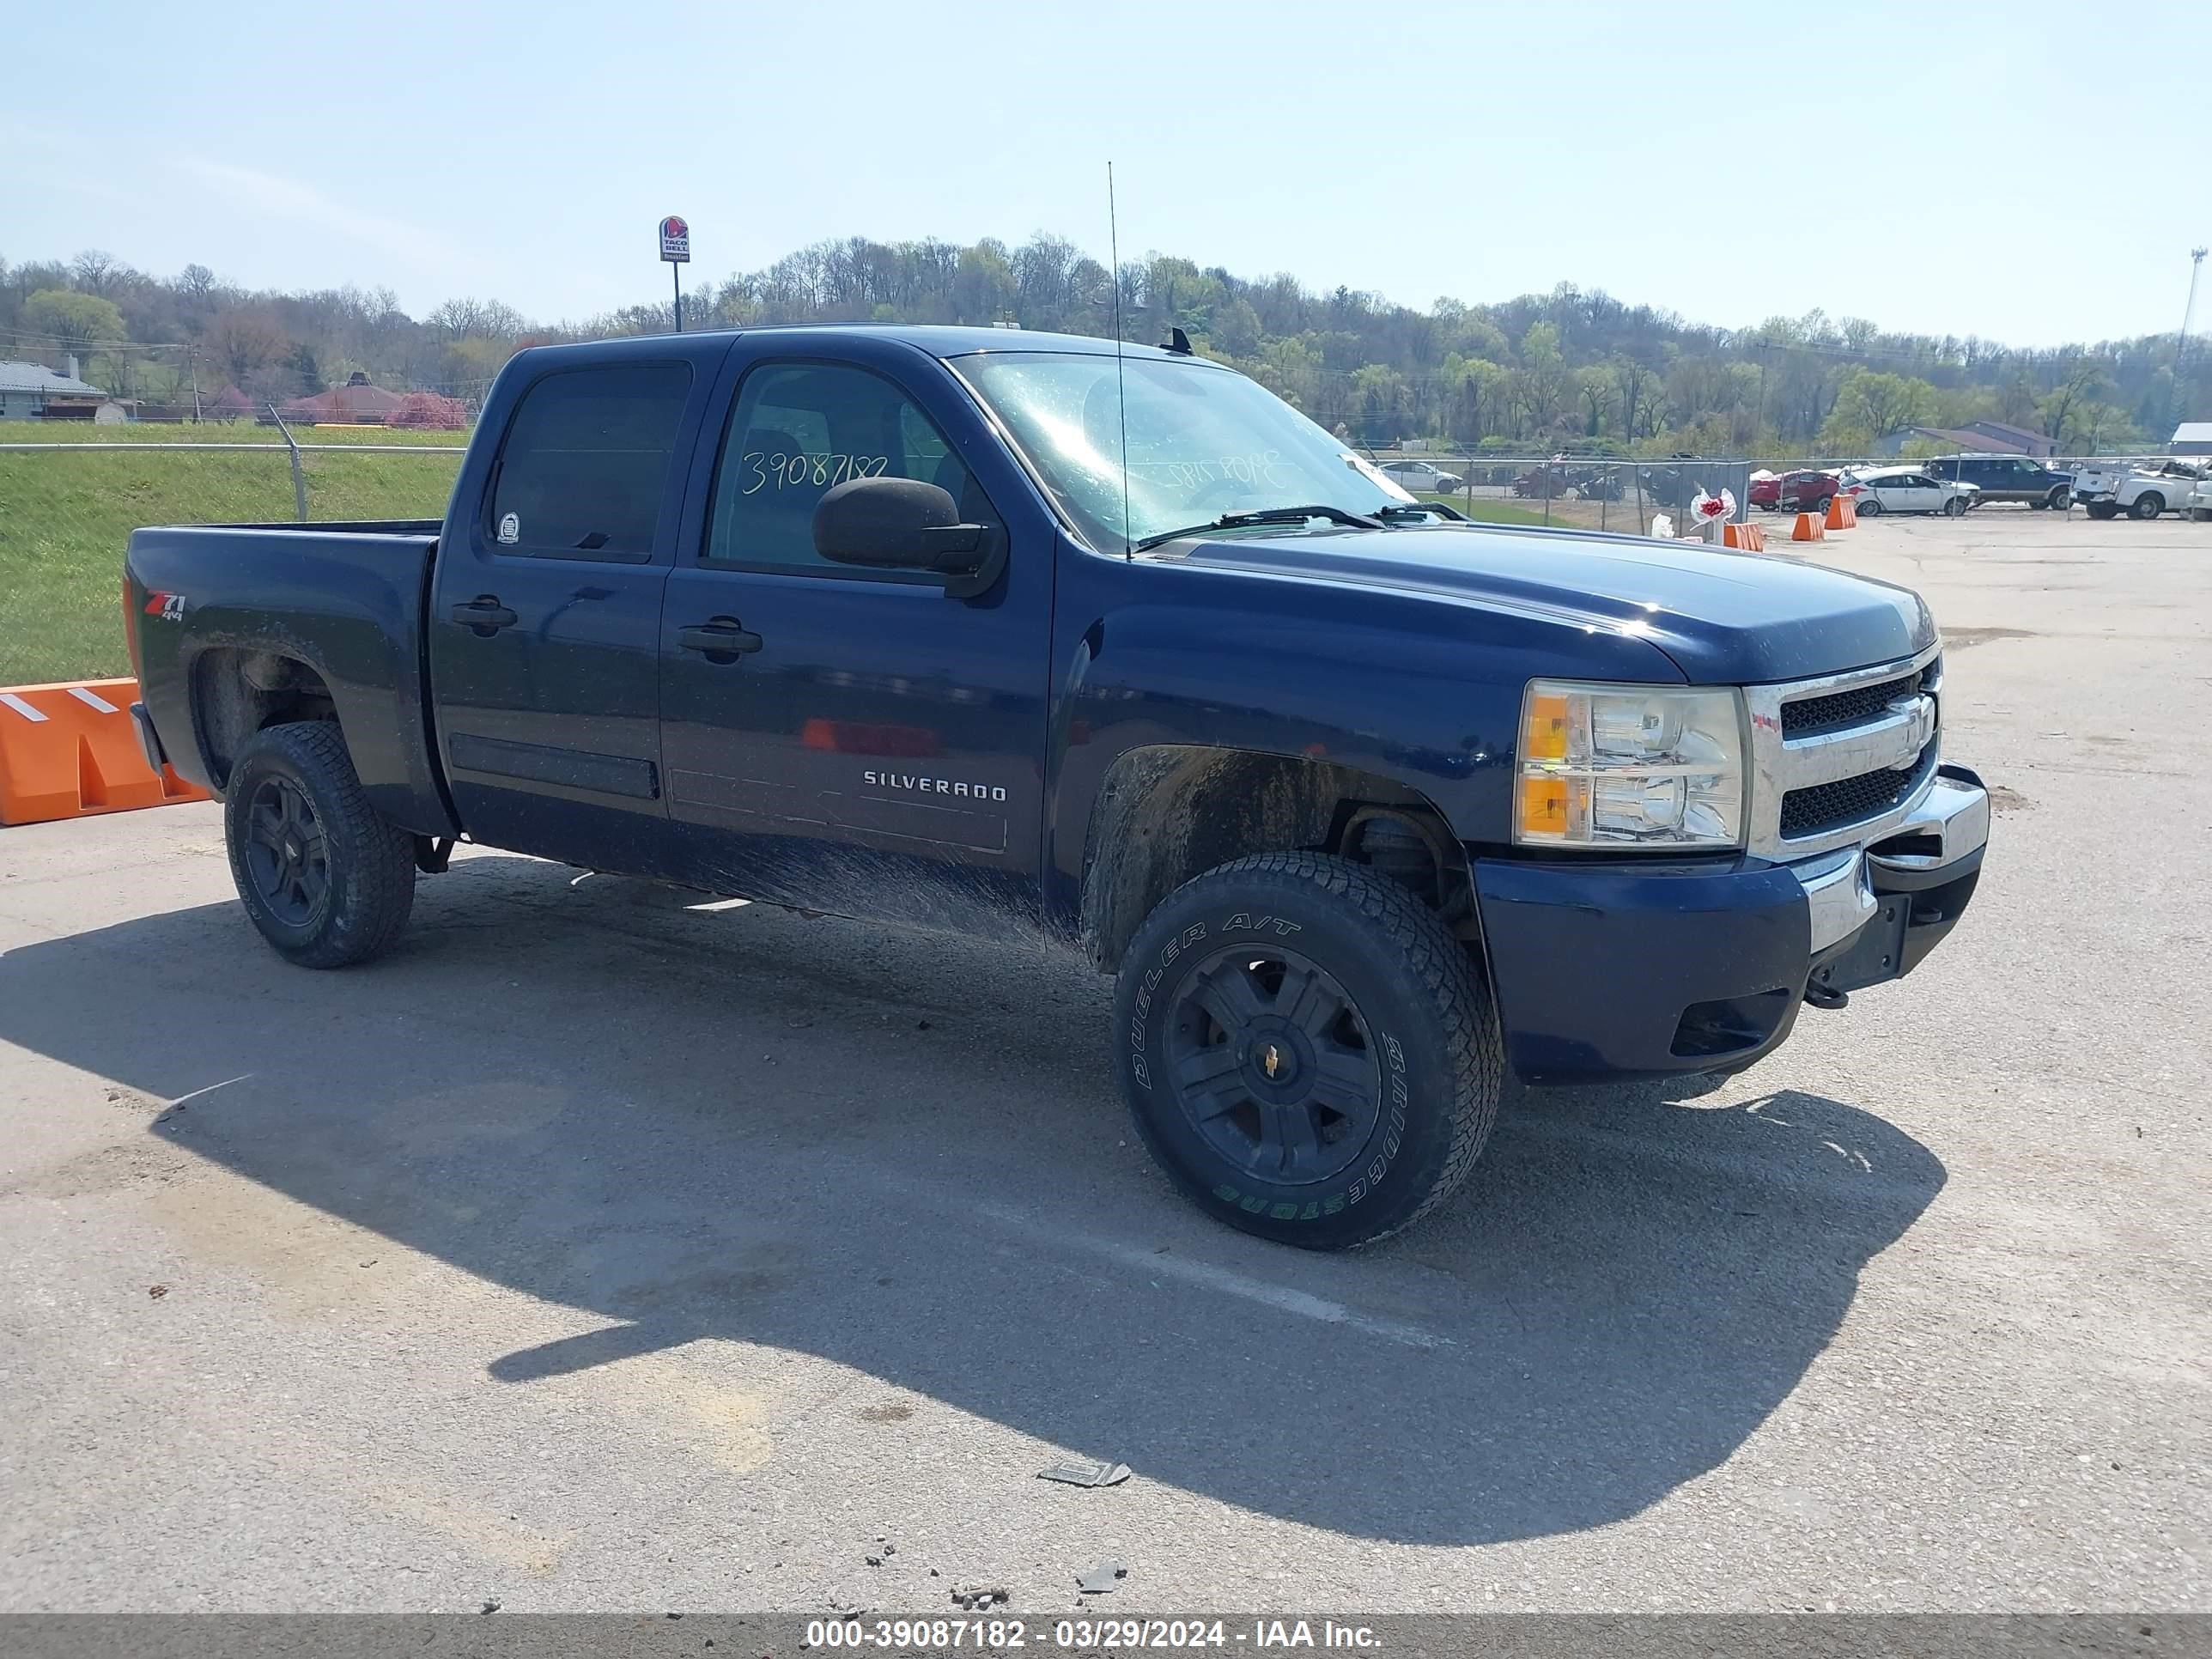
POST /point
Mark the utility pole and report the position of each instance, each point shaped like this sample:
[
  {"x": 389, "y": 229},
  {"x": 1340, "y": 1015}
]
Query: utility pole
[{"x": 2181, "y": 340}]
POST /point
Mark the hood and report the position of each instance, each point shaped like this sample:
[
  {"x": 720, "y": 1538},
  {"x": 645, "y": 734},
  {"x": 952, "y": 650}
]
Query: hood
[{"x": 1724, "y": 617}]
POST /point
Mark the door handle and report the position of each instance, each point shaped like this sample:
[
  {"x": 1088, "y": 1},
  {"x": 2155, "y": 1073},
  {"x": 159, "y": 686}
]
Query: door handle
[
  {"x": 485, "y": 614},
  {"x": 722, "y": 639}
]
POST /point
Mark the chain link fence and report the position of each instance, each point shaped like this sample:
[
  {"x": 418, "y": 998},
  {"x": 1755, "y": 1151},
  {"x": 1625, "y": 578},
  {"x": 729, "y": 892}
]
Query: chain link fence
[
  {"x": 67, "y": 510},
  {"x": 1623, "y": 496}
]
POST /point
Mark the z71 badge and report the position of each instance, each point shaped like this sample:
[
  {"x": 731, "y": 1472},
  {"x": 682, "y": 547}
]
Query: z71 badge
[{"x": 169, "y": 607}]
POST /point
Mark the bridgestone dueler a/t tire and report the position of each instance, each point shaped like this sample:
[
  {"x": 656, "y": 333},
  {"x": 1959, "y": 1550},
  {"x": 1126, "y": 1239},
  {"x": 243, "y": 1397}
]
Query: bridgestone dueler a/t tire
[
  {"x": 1418, "y": 993},
  {"x": 371, "y": 862}
]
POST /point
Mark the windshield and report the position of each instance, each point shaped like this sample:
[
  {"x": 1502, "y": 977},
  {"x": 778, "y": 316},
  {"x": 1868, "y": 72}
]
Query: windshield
[{"x": 1203, "y": 442}]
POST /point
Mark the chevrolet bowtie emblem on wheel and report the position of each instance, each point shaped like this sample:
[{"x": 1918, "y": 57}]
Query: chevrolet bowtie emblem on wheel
[{"x": 1274, "y": 1059}]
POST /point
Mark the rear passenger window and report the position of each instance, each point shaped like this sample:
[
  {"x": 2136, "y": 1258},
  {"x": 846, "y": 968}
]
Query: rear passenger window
[
  {"x": 584, "y": 468},
  {"x": 799, "y": 430}
]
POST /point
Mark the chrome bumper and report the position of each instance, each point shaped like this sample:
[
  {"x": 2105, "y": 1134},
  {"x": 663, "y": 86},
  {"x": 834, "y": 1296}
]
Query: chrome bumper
[{"x": 1940, "y": 841}]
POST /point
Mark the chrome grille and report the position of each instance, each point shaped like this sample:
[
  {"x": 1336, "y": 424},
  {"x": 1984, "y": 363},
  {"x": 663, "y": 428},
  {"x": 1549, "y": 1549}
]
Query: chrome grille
[
  {"x": 1810, "y": 715},
  {"x": 1835, "y": 759},
  {"x": 1827, "y": 806}
]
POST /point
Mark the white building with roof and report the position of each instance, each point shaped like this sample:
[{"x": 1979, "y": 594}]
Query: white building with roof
[{"x": 32, "y": 392}]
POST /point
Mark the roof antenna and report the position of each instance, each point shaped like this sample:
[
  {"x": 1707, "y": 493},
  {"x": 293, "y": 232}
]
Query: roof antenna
[{"x": 1121, "y": 383}]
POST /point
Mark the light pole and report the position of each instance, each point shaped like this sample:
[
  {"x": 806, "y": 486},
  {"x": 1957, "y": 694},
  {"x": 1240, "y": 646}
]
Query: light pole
[{"x": 2181, "y": 340}]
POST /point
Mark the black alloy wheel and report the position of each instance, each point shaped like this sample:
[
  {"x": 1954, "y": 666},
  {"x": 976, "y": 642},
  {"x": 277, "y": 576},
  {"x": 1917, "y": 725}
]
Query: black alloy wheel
[
  {"x": 286, "y": 857},
  {"x": 1272, "y": 1064}
]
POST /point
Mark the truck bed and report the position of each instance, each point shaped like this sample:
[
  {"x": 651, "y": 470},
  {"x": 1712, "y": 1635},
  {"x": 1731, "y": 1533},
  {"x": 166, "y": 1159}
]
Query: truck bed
[{"x": 345, "y": 599}]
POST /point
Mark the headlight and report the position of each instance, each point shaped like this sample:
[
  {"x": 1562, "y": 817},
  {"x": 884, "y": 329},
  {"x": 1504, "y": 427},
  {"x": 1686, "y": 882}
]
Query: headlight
[{"x": 1629, "y": 766}]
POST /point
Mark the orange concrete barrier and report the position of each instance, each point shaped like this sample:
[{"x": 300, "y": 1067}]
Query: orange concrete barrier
[
  {"x": 1843, "y": 513},
  {"x": 1810, "y": 529},
  {"x": 1750, "y": 537},
  {"x": 70, "y": 750}
]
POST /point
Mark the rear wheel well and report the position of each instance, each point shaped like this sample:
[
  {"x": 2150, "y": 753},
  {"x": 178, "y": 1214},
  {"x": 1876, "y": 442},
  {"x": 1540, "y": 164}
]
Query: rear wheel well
[
  {"x": 237, "y": 693},
  {"x": 1171, "y": 811}
]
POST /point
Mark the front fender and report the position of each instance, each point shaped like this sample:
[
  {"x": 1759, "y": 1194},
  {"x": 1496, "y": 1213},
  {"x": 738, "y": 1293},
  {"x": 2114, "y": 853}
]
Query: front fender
[{"x": 1422, "y": 691}]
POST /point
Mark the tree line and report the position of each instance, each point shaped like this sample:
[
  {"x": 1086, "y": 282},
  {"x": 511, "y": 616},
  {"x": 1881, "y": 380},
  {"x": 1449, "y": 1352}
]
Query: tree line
[{"x": 1572, "y": 369}]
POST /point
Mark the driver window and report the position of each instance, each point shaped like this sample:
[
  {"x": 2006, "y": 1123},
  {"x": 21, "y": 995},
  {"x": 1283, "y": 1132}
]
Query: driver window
[{"x": 799, "y": 430}]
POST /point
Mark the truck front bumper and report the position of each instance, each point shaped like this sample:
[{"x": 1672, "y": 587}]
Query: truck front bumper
[{"x": 1624, "y": 969}]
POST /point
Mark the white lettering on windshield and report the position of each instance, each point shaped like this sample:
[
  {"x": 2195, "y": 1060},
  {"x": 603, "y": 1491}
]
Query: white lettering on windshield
[{"x": 1259, "y": 467}]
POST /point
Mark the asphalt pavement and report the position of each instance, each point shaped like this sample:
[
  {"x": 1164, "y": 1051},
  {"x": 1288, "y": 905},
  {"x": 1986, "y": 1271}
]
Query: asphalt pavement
[{"x": 600, "y": 1248}]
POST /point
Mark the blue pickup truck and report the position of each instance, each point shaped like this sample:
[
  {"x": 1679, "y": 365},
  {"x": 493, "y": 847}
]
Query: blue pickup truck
[{"x": 1022, "y": 637}]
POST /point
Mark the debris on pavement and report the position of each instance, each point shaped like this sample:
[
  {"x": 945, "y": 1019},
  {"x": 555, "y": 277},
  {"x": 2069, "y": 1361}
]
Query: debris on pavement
[
  {"x": 1102, "y": 1578},
  {"x": 975, "y": 1597},
  {"x": 157, "y": 1291},
  {"x": 1101, "y": 1473}
]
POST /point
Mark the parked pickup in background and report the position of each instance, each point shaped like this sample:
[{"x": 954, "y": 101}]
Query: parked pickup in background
[
  {"x": 2003, "y": 478},
  {"x": 1359, "y": 803},
  {"x": 2141, "y": 489}
]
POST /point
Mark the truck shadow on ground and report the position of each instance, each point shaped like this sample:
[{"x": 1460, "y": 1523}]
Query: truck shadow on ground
[{"x": 903, "y": 1154}]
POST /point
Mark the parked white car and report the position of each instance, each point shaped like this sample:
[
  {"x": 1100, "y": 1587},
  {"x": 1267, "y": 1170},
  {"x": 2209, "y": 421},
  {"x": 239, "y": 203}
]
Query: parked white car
[
  {"x": 1905, "y": 489},
  {"x": 2141, "y": 489},
  {"x": 1421, "y": 477},
  {"x": 2199, "y": 505}
]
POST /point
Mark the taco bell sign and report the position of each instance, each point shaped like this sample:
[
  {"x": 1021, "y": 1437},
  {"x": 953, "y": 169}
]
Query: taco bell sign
[{"x": 675, "y": 241}]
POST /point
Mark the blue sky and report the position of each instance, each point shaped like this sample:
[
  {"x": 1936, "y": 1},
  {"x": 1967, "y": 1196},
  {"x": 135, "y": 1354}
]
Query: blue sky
[{"x": 2008, "y": 170}]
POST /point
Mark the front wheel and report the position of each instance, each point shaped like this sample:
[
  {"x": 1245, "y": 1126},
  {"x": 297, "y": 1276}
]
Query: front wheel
[
  {"x": 2148, "y": 505},
  {"x": 1955, "y": 507},
  {"x": 1307, "y": 1051},
  {"x": 2101, "y": 509},
  {"x": 326, "y": 880}
]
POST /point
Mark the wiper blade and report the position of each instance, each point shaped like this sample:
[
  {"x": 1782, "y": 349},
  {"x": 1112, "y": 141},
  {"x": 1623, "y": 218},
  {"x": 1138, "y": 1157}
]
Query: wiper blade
[
  {"x": 1398, "y": 510},
  {"x": 1266, "y": 515}
]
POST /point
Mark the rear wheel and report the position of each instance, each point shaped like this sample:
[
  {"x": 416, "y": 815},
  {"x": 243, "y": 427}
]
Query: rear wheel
[
  {"x": 326, "y": 880},
  {"x": 1869, "y": 507},
  {"x": 2148, "y": 505},
  {"x": 1307, "y": 1050}
]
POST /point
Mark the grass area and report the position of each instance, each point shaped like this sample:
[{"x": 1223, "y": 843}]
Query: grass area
[
  {"x": 218, "y": 432},
  {"x": 1484, "y": 509},
  {"x": 65, "y": 519}
]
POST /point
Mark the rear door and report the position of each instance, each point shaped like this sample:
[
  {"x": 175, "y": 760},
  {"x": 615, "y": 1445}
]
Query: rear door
[
  {"x": 545, "y": 613},
  {"x": 840, "y": 739}
]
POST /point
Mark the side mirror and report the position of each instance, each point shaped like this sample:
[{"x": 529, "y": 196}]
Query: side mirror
[{"x": 903, "y": 524}]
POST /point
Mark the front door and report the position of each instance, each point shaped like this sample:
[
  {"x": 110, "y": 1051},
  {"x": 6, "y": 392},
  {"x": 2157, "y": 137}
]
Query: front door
[
  {"x": 545, "y": 621},
  {"x": 1911, "y": 492},
  {"x": 840, "y": 739}
]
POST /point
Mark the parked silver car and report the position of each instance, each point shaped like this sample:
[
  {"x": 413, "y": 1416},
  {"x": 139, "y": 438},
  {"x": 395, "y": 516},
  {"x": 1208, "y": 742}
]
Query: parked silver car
[
  {"x": 1421, "y": 478},
  {"x": 1907, "y": 489}
]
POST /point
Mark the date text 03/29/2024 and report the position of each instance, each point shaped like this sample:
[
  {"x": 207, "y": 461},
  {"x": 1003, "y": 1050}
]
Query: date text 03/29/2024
[{"x": 1006, "y": 1635}]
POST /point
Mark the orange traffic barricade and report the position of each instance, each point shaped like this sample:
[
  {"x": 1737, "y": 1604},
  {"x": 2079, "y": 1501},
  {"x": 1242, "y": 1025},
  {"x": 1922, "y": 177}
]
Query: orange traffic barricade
[
  {"x": 1810, "y": 529},
  {"x": 1843, "y": 513},
  {"x": 1750, "y": 537},
  {"x": 70, "y": 750}
]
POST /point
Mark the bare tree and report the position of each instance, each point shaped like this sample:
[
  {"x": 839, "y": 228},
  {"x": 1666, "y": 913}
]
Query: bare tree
[{"x": 95, "y": 270}]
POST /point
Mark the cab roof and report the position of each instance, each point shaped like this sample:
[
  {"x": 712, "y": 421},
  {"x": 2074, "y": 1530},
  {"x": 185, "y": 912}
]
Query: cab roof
[{"x": 947, "y": 340}]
